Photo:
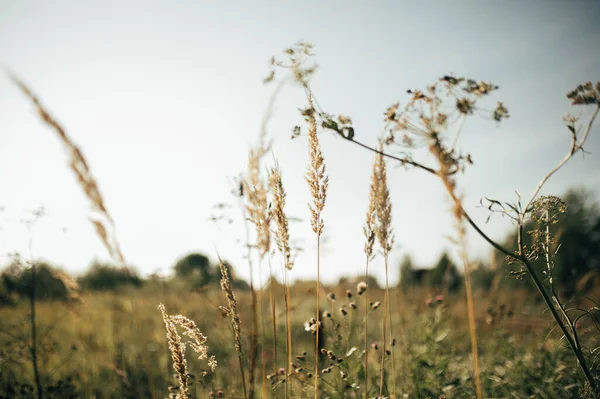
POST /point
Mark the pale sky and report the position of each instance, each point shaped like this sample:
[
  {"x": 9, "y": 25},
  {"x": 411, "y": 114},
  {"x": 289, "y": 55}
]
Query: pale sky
[{"x": 164, "y": 98}]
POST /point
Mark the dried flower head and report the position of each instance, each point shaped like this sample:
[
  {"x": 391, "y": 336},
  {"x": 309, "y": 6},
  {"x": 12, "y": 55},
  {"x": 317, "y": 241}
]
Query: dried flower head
[
  {"x": 585, "y": 94},
  {"x": 177, "y": 348},
  {"x": 282, "y": 237},
  {"x": 361, "y": 288},
  {"x": 317, "y": 180},
  {"x": 257, "y": 205},
  {"x": 383, "y": 204}
]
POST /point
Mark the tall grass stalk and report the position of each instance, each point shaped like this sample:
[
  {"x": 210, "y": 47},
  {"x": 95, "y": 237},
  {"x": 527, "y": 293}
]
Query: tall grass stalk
[
  {"x": 231, "y": 310},
  {"x": 385, "y": 237},
  {"x": 254, "y": 327},
  {"x": 273, "y": 314},
  {"x": 257, "y": 209},
  {"x": 318, "y": 182},
  {"x": 369, "y": 233},
  {"x": 102, "y": 220},
  {"x": 282, "y": 239}
]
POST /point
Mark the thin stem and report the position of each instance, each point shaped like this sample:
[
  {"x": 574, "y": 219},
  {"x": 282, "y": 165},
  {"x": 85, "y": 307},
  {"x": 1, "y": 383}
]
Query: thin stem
[
  {"x": 575, "y": 146},
  {"x": 539, "y": 285},
  {"x": 262, "y": 330},
  {"x": 383, "y": 343},
  {"x": 318, "y": 317},
  {"x": 32, "y": 320},
  {"x": 254, "y": 336},
  {"x": 287, "y": 297},
  {"x": 366, "y": 294},
  {"x": 401, "y": 160},
  {"x": 461, "y": 123},
  {"x": 390, "y": 322},
  {"x": 273, "y": 316},
  {"x": 472, "y": 326}
]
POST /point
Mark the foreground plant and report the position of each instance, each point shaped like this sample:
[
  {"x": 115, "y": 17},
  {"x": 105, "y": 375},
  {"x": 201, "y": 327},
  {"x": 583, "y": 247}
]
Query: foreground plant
[
  {"x": 231, "y": 311},
  {"x": 102, "y": 220},
  {"x": 383, "y": 232},
  {"x": 425, "y": 123},
  {"x": 282, "y": 239},
  {"x": 197, "y": 341},
  {"x": 318, "y": 182}
]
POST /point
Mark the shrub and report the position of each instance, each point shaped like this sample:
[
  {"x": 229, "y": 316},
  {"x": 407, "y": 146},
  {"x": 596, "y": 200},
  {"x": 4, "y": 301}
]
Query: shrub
[
  {"x": 105, "y": 277},
  {"x": 50, "y": 282}
]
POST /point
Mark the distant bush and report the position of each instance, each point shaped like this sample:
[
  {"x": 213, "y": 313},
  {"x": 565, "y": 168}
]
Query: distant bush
[
  {"x": 50, "y": 282},
  {"x": 105, "y": 277},
  {"x": 197, "y": 270},
  {"x": 6, "y": 299},
  {"x": 444, "y": 275}
]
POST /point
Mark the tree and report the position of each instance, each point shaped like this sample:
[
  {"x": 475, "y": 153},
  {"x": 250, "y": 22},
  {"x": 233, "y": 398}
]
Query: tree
[
  {"x": 444, "y": 275},
  {"x": 408, "y": 276},
  {"x": 106, "y": 277},
  {"x": 50, "y": 282},
  {"x": 195, "y": 268}
]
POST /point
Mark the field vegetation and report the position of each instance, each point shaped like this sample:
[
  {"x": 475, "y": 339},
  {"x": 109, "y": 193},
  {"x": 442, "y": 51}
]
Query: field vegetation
[{"x": 525, "y": 324}]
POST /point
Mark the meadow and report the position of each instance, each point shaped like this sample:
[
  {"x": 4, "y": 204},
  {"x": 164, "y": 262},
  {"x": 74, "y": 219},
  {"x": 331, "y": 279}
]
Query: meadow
[
  {"x": 349, "y": 340},
  {"x": 112, "y": 345}
]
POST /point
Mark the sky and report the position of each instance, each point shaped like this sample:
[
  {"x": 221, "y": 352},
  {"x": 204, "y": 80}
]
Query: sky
[{"x": 166, "y": 98}]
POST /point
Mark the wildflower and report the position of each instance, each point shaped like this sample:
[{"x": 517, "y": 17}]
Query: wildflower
[
  {"x": 281, "y": 371},
  {"x": 343, "y": 311},
  {"x": 465, "y": 106},
  {"x": 331, "y": 296},
  {"x": 375, "y": 346},
  {"x": 361, "y": 288},
  {"x": 326, "y": 315},
  {"x": 375, "y": 305},
  {"x": 352, "y": 305},
  {"x": 311, "y": 325},
  {"x": 428, "y": 301},
  {"x": 439, "y": 298},
  {"x": 348, "y": 293}
]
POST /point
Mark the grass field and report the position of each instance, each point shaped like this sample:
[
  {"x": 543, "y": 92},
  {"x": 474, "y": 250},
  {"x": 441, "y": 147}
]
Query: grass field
[{"x": 113, "y": 346}]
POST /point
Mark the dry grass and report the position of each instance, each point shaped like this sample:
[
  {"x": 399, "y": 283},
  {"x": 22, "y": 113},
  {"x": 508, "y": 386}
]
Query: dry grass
[
  {"x": 103, "y": 222},
  {"x": 318, "y": 182},
  {"x": 425, "y": 121}
]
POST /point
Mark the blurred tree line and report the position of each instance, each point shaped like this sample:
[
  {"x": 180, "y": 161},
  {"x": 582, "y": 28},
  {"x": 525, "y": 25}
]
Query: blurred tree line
[
  {"x": 194, "y": 271},
  {"x": 577, "y": 263},
  {"x": 577, "y": 266}
]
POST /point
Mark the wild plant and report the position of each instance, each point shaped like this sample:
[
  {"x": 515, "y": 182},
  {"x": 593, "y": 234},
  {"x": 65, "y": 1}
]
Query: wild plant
[
  {"x": 196, "y": 341},
  {"x": 231, "y": 311},
  {"x": 342, "y": 374},
  {"x": 282, "y": 239},
  {"x": 101, "y": 219},
  {"x": 426, "y": 121},
  {"x": 317, "y": 182}
]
